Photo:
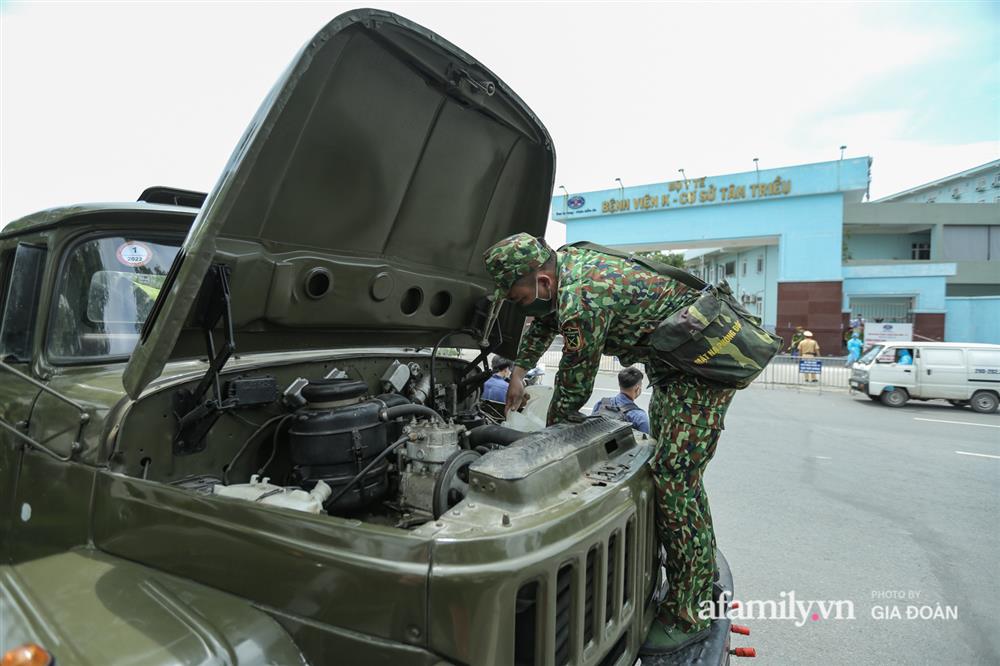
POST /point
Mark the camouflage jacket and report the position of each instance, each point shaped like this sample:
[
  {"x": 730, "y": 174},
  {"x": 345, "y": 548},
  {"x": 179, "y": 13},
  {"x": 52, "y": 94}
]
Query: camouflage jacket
[{"x": 605, "y": 305}]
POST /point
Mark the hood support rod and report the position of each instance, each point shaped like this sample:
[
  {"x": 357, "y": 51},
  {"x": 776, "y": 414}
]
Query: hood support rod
[{"x": 195, "y": 415}]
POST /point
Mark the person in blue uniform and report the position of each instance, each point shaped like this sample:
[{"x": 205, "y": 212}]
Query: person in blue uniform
[
  {"x": 854, "y": 346},
  {"x": 495, "y": 389},
  {"x": 622, "y": 406}
]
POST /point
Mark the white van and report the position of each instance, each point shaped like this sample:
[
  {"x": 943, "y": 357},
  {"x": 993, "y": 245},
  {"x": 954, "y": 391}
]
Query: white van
[{"x": 961, "y": 373}]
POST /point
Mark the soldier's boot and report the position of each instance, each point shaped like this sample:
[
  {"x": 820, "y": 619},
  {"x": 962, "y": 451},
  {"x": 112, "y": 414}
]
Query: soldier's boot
[{"x": 666, "y": 638}]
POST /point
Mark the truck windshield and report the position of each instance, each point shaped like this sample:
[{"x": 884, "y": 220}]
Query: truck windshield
[
  {"x": 105, "y": 291},
  {"x": 871, "y": 354}
]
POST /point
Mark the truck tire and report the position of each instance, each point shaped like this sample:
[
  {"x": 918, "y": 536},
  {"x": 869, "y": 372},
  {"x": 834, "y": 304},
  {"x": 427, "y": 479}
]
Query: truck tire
[
  {"x": 984, "y": 402},
  {"x": 895, "y": 397}
]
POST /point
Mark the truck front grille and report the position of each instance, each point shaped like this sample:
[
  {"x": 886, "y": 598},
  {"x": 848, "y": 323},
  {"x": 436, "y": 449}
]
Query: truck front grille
[
  {"x": 580, "y": 612},
  {"x": 564, "y": 597},
  {"x": 627, "y": 562},
  {"x": 526, "y": 624},
  {"x": 589, "y": 607},
  {"x": 610, "y": 605}
]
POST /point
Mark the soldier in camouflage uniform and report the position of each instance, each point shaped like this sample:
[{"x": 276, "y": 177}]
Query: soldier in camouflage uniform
[{"x": 606, "y": 305}]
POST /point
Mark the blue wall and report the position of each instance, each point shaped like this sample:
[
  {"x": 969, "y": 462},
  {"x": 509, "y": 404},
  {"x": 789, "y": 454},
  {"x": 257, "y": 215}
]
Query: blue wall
[
  {"x": 884, "y": 246},
  {"x": 793, "y": 181},
  {"x": 973, "y": 319},
  {"x": 763, "y": 284},
  {"x": 808, "y": 228},
  {"x": 925, "y": 282},
  {"x": 800, "y": 206}
]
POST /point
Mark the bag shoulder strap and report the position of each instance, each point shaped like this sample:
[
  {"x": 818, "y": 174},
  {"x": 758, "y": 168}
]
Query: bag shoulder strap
[{"x": 681, "y": 276}]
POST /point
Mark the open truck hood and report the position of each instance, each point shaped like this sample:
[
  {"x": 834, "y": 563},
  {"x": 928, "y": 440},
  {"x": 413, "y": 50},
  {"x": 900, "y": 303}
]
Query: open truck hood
[{"x": 357, "y": 205}]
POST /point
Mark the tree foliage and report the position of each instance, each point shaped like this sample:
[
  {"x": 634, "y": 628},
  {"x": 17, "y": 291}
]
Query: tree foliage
[{"x": 669, "y": 258}]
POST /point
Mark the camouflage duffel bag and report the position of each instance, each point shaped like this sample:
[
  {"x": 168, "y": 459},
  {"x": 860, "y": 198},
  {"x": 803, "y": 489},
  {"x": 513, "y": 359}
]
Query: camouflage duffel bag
[{"x": 716, "y": 339}]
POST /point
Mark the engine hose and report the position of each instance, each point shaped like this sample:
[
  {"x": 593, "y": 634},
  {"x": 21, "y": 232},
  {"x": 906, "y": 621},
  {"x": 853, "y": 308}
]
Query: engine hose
[
  {"x": 369, "y": 467},
  {"x": 494, "y": 434},
  {"x": 390, "y": 413},
  {"x": 239, "y": 454}
]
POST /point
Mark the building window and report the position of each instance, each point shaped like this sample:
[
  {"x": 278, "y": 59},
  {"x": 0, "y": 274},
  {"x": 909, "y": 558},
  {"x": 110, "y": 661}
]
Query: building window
[
  {"x": 730, "y": 268},
  {"x": 760, "y": 263},
  {"x": 920, "y": 251},
  {"x": 743, "y": 269}
]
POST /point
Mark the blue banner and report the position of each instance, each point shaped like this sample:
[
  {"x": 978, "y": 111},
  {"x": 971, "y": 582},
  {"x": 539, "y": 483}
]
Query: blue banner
[{"x": 811, "y": 366}]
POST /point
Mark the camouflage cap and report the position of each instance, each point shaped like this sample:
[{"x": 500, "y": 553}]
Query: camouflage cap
[{"x": 513, "y": 258}]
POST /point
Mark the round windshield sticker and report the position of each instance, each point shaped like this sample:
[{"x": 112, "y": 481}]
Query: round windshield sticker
[{"x": 134, "y": 253}]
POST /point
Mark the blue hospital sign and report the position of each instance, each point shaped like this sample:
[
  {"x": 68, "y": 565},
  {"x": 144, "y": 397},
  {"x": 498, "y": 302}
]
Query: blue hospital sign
[{"x": 811, "y": 366}]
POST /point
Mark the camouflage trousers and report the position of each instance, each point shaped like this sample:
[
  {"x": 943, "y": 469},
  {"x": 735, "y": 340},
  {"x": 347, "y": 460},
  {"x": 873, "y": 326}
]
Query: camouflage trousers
[{"x": 686, "y": 418}]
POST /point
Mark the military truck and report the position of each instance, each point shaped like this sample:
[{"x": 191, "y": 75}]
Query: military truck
[{"x": 227, "y": 432}]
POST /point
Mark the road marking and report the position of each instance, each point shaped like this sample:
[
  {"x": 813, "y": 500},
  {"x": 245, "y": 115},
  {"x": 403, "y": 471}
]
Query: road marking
[
  {"x": 823, "y": 458},
  {"x": 980, "y": 455},
  {"x": 981, "y": 425}
]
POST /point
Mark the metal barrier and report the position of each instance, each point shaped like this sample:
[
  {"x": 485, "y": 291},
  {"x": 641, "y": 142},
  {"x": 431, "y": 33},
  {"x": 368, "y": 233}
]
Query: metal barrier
[
  {"x": 783, "y": 370},
  {"x": 608, "y": 363}
]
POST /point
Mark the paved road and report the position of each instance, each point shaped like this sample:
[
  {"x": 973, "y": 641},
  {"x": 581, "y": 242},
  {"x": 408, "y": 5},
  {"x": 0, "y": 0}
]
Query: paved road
[{"x": 838, "y": 498}]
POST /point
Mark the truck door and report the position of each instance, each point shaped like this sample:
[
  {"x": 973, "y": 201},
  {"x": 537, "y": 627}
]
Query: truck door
[
  {"x": 944, "y": 373},
  {"x": 21, "y": 269},
  {"x": 888, "y": 371}
]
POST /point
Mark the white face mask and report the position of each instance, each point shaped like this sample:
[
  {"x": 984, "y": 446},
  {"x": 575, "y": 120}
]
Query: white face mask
[{"x": 540, "y": 306}]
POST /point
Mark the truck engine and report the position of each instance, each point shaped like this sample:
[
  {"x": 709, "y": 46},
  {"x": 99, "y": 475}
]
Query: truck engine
[{"x": 383, "y": 458}]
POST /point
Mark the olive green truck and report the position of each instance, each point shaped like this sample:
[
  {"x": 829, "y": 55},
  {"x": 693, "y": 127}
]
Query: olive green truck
[{"x": 229, "y": 435}]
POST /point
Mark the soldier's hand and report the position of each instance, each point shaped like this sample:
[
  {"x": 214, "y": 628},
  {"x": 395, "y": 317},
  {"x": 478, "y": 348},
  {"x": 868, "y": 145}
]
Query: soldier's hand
[{"x": 515, "y": 391}]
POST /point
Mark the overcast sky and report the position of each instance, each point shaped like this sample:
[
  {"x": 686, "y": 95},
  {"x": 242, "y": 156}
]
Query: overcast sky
[{"x": 100, "y": 101}]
